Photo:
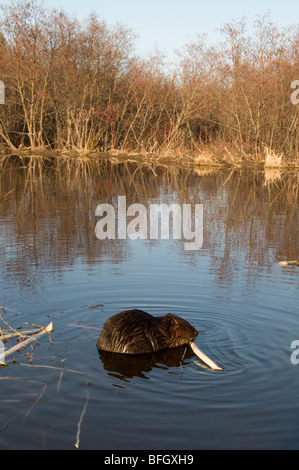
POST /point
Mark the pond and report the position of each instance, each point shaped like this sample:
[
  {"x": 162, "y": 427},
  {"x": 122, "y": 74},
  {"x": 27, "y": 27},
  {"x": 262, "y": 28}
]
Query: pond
[{"x": 62, "y": 392}]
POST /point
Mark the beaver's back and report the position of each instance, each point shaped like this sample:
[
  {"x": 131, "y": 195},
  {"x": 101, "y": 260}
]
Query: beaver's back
[
  {"x": 138, "y": 332},
  {"x": 127, "y": 332}
]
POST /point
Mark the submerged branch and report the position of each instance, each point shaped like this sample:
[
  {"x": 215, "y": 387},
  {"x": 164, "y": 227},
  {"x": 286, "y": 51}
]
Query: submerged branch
[{"x": 48, "y": 329}]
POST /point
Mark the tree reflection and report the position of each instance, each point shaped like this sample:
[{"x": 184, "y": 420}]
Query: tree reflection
[{"x": 47, "y": 208}]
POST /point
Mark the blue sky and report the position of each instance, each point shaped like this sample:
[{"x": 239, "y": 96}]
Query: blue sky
[{"x": 169, "y": 24}]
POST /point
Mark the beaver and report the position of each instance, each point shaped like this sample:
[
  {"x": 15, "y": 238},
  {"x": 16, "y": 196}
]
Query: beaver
[{"x": 138, "y": 332}]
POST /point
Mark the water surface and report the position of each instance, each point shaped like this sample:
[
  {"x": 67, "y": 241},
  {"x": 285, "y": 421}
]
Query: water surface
[{"x": 243, "y": 303}]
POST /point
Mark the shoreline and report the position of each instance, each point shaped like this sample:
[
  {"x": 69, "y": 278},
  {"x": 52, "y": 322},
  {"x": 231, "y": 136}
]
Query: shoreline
[{"x": 196, "y": 160}]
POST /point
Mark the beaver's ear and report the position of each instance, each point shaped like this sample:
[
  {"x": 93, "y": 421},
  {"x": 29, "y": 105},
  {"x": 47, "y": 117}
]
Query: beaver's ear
[
  {"x": 169, "y": 319},
  {"x": 169, "y": 316}
]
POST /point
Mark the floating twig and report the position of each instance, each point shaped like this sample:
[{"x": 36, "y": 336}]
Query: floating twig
[
  {"x": 59, "y": 382},
  {"x": 23, "y": 333},
  {"x": 289, "y": 263},
  {"x": 35, "y": 402},
  {"x": 3, "y": 308},
  {"x": 13, "y": 378},
  {"x": 48, "y": 329},
  {"x": 81, "y": 416},
  {"x": 53, "y": 367}
]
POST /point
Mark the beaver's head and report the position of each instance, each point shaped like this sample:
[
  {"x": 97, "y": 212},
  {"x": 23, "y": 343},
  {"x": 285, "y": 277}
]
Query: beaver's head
[{"x": 177, "y": 331}]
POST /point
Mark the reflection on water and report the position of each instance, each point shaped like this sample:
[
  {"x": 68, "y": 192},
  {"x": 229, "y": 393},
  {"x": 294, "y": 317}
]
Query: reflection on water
[
  {"x": 46, "y": 210},
  {"x": 243, "y": 304},
  {"x": 123, "y": 366}
]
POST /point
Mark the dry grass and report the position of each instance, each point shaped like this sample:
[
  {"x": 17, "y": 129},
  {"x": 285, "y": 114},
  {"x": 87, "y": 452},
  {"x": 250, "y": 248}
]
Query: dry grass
[
  {"x": 272, "y": 159},
  {"x": 205, "y": 158}
]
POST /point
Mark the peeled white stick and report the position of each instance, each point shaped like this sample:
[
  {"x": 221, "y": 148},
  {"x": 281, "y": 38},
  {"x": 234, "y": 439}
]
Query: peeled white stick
[
  {"x": 203, "y": 357},
  {"x": 22, "y": 332},
  {"x": 48, "y": 329}
]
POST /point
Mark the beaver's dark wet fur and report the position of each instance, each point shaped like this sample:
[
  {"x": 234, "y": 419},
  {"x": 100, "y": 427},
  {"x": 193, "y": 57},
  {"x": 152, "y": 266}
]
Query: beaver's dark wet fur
[{"x": 138, "y": 332}]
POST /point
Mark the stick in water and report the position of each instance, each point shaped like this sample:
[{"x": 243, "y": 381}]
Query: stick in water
[
  {"x": 81, "y": 417},
  {"x": 20, "y": 333},
  {"x": 290, "y": 263},
  {"x": 203, "y": 357},
  {"x": 48, "y": 329}
]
